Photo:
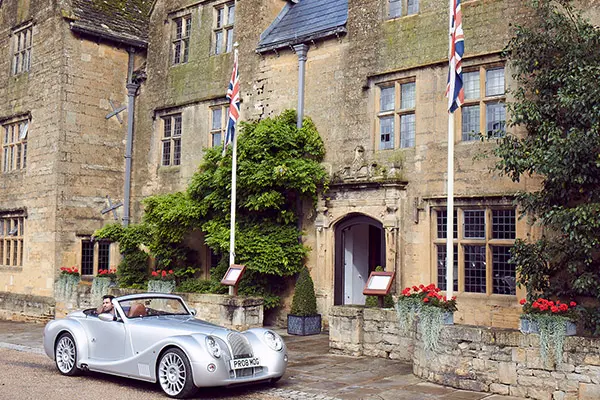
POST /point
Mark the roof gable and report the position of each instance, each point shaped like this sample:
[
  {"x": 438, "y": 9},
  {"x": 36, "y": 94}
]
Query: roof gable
[{"x": 304, "y": 21}]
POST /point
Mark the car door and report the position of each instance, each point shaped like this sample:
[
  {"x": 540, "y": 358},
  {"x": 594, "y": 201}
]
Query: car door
[{"x": 107, "y": 340}]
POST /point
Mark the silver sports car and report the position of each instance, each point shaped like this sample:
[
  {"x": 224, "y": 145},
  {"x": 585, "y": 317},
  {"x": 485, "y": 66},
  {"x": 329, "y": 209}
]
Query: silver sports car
[{"x": 155, "y": 337}]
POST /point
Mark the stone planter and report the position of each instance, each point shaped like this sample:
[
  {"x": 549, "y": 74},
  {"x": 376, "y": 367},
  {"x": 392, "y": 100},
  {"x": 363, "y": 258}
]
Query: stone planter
[
  {"x": 100, "y": 287},
  {"x": 527, "y": 326},
  {"x": 448, "y": 318},
  {"x": 65, "y": 288},
  {"x": 157, "y": 286},
  {"x": 304, "y": 326}
]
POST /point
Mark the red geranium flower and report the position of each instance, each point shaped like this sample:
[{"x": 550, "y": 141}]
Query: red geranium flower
[{"x": 523, "y": 301}]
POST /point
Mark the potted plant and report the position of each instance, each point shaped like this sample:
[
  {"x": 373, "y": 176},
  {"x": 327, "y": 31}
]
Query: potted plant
[
  {"x": 433, "y": 311},
  {"x": 162, "y": 281},
  {"x": 102, "y": 281},
  {"x": 67, "y": 283},
  {"x": 553, "y": 320},
  {"x": 303, "y": 318}
]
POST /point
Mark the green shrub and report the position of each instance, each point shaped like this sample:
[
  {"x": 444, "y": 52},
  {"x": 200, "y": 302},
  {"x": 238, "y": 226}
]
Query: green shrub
[
  {"x": 193, "y": 285},
  {"x": 388, "y": 301},
  {"x": 133, "y": 269},
  {"x": 304, "y": 302}
]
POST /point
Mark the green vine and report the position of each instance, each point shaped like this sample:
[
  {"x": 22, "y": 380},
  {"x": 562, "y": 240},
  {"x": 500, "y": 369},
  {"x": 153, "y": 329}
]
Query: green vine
[
  {"x": 407, "y": 310},
  {"x": 431, "y": 320},
  {"x": 553, "y": 329},
  {"x": 279, "y": 174}
]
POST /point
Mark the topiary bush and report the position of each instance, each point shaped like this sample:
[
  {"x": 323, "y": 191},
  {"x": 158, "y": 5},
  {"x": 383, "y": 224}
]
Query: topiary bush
[{"x": 304, "y": 302}]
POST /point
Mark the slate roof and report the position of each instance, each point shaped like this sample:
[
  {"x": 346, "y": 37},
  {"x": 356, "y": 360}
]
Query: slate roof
[
  {"x": 305, "y": 21},
  {"x": 124, "y": 21}
]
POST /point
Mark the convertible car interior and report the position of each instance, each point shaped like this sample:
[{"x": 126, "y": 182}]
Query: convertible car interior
[{"x": 137, "y": 310}]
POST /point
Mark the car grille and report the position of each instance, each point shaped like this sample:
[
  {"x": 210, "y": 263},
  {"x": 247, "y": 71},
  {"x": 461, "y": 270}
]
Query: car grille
[
  {"x": 239, "y": 345},
  {"x": 245, "y": 372}
]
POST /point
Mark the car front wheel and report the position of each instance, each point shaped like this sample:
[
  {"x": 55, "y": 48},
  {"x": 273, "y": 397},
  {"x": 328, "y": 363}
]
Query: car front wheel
[
  {"x": 65, "y": 355},
  {"x": 175, "y": 374}
]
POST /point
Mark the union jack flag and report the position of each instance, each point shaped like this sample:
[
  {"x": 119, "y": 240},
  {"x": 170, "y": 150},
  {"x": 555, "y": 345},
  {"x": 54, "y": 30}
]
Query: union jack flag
[
  {"x": 454, "y": 90},
  {"x": 233, "y": 95}
]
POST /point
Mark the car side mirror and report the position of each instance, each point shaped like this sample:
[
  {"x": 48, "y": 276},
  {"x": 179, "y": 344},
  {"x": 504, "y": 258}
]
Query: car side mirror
[
  {"x": 106, "y": 317},
  {"x": 193, "y": 311}
]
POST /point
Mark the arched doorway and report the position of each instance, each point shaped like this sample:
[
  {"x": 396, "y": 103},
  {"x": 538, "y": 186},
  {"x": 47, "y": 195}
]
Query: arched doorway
[{"x": 359, "y": 249}]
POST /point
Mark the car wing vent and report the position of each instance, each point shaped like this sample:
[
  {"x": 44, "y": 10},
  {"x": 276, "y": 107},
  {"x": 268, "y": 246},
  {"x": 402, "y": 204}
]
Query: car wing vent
[{"x": 240, "y": 347}]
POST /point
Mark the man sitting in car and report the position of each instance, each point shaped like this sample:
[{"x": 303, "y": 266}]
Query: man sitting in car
[{"x": 107, "y": 305}]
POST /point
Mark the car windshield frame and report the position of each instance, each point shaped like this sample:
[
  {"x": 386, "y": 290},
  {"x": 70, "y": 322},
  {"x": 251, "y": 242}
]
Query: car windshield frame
[{"x": 153, "y": 306}]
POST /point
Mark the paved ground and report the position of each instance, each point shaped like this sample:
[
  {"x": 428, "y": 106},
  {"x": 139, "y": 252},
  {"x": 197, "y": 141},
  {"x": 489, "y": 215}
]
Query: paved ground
[{"x": 313, "y": 373}]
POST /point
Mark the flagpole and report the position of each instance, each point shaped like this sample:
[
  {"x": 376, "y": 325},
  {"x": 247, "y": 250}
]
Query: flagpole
[
  {"x": 233, "y": 202},
  {"x": 233, "y": 193},
  {"x": 453, "y": 97},
  {"x": 450, "y": 211}
]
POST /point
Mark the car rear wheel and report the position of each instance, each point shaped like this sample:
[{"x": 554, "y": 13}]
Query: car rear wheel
[
  {"x": 65, "y": 355},
  {"x": 175, "y": 374}
]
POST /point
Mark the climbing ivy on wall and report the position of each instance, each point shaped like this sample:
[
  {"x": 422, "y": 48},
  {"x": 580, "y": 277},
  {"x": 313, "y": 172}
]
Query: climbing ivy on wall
[{"x": 279, "y": 172}]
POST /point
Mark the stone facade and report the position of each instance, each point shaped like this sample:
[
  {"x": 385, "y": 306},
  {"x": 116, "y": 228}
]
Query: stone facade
[
  {"x": 398, "y": 189},
  {"x": 75, "y": 152},
  {"x": 74, "y": 155},
  {"x": 495, "y": 360}
]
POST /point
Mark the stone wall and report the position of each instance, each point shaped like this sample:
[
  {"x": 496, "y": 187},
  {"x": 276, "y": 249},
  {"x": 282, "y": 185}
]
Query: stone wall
[
  {"x": 235, "y": 312},
  {"x": 495, "y": 360},
  {"x": 21, "y": 307}
]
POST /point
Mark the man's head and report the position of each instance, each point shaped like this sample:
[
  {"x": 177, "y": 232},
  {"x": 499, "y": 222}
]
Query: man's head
[{"x": 107, "y": 302}]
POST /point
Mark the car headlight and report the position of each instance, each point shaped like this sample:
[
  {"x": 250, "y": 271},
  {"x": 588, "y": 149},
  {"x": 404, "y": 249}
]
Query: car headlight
[
  {"x": 213, "y": 347},
  {"x": 273, "y": 340}
]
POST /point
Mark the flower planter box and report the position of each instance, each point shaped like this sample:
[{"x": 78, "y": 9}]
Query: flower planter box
[
  {"x": 304, "y": 326},
  {"x": 156, "y": 286},
  {"x": 448, "y": 318},
  {"x": 527, "y": 326}
]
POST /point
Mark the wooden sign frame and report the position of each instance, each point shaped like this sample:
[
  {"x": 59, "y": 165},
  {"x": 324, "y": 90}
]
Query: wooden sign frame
[
  {"x": 233, "y": 275},
  {"x": 375, "y": 278}
]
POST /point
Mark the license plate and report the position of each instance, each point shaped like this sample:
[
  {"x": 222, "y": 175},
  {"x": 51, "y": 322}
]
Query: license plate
[{"x": 245, "y": 363}]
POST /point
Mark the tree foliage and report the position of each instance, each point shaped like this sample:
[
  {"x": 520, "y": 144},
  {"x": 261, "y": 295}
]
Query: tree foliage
[
  {"x": 278, "y": 171},
  {"x": 556, "y": 66}
]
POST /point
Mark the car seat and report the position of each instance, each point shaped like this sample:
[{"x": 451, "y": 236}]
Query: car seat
[{"x": 137, "y": 310}]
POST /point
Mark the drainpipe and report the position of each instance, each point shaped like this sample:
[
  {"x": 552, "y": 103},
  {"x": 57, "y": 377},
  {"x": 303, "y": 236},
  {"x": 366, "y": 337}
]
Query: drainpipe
[
  {"x": 301, "y": 50},
  {"x": 132, "y": 89}
]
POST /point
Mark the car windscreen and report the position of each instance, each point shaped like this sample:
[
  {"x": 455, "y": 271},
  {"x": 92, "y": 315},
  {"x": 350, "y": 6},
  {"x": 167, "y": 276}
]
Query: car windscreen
[{"x": 152, "y": 306}]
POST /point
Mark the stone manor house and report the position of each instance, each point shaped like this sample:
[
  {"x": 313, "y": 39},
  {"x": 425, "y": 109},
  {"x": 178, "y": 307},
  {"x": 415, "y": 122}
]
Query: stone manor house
[{"x": 80, "y": 80}]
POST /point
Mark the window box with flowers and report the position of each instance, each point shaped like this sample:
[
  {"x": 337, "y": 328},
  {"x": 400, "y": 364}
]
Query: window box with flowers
[
  {"x": 162, "y": 281},
  {"x": 552, "y": 320},
  {"x": 433, "y": 310},
  {"x": 65, "y": 287},
  {"x": 105, "y": 279}
]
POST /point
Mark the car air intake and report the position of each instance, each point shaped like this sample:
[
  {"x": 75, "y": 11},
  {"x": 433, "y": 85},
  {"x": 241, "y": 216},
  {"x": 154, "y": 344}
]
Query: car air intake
[{"x": 239, "y": 345}]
